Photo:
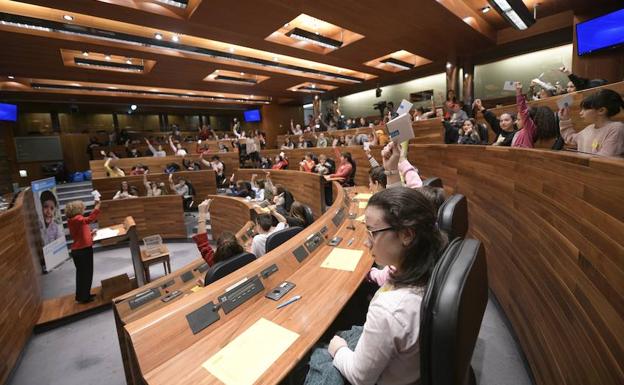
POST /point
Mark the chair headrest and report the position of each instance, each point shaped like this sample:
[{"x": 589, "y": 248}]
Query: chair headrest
[
  {"x": 223, "y": 268},
  {"x": 279, "y": 237},
  {"x": 309, "y": 216},
  {"x": 433, "y": 182},
  {"x": 453, "y": 216}
]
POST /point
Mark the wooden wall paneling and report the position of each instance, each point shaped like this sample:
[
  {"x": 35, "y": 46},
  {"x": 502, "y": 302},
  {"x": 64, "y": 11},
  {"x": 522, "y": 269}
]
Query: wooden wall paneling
[
  {"x": 75, "y": 154},
  {"x": 276, "y": 121},
  {"x": 157, "y": 164},
  {"x": 154, "y": 215},
  {"x": 551, "y": 225},
  {"x": 229, "y": 214},
  {"x": 203, "y": 181},
  {"x": 171, "y": 334},
  {"x": 19, "y": 282},
  {"x": 306, "y": 187}
]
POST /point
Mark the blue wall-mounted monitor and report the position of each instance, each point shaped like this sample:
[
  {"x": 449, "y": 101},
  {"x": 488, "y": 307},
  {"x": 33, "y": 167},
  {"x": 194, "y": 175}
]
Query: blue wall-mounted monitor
[
  {"x": 603, "y": 32},
  {"x": 8, "y": 112},
  {"x": 252, "y": 116}
]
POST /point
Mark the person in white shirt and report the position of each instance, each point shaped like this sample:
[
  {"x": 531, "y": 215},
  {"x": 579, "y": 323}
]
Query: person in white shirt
[
  {"x": 156, "y": 153},
  {"x": 264, "y": 229},
  {"x": 295, "y": 129},
  {"x": 402, "y": 232},
  {"x": 180, "y": 188},
  {"x": 176, "y": 148}
]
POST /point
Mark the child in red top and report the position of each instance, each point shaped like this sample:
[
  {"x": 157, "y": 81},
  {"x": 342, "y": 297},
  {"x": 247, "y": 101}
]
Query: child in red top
[
  {"x": 346, "y": 165},
  {"x": 82, "y": 247}
]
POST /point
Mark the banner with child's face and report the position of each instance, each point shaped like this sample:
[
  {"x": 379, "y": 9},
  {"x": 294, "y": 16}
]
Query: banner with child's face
[{"x": 50, "y": 222}]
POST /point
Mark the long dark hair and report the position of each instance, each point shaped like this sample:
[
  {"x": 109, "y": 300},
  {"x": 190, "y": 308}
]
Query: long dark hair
[
  {"x": 409, "y": 209},
  {"x": 288, "y": 197},
  {"x": 545, "y": 121},
  {"x": 227, "y": 247},
  {"x": 606, "y": 98}
]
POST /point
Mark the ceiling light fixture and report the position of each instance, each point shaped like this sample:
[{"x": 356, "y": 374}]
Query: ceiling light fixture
[
  {"x": 486, "y": 9},
  {"x": 133, "y": 107},
  {"x": 232, "y": 49},
  {"x": 175, "y": 38},
  {"x": 85, "y": 53},
  {"x": 11, "y": 77},
  {"x": 516, "y": 13},
  {"x": 107, "y": 57},
  {"x": 68, "y": 17},
  {"x": 158, "y": 36},
  {"x": 398, "y": 63},
  {"x": 448, "y": 65},
  {"x": 128, "y": 61},
  {"x": 314, "y": 38},
  {"x": 175, "y": 3}
]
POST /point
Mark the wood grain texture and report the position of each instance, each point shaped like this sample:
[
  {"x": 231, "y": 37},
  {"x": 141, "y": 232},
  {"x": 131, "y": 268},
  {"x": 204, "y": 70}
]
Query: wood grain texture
[
  {"x": 191, "y": 147},
  {"x": 229, "y": 214},
  {"x": 204, "y": 182},
  {"x": 19, "y": 281},
  {"x": 154, "y": 343},
  {"x": 157, "y": 165},
  {"x": 306, "y": 187},
  {"x": 154, "y": 215},
  {"x": 552, "y": 226}
]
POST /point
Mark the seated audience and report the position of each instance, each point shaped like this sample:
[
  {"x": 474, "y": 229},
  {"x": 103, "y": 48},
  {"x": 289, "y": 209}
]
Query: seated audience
[
  {"x": 602, "y": 136},
  {"x": 281, "y": 163},
  {"x": 132, "y": 152},
  {"x": 324, "y": 166},
  {"x": 177, "y": 148},
  {"x": 398, "y": 170},
  {"x": 344, "y": 171},
  {"x": 307, "y": 164},
  {"x": 288, "y": 144},
  {"x": 180, "y": 188},
  {"x": 504, "y": 128},
  {"x": 156, "y": 153},
  {"x": 217, "y": 166},
  {"x": 111, "y": 170},
  {"x": 264, "y": 223},
  {"x": 154, "y": 189},
  {"x": 190, "y": 164},
  {"x": 382, "y": 138},
  {"x": 263, "y": 188},
  {"x": 377, "y": 179},
  {"x": 295, "y": 129},
  {"x": 282, "y": 199},
  {"x": 321, "y": 141},
  {"x": 241, "y": 189},
  {"x": 302, "y": 143},
  {"x": 125, "y": 192},
  {"x": 265, "y": 163},
  {"x": 469, "y": 133},
  {"x": 139, "y": 169},
  {"x": 535, "y": 123},
  {"x": 579, "y": 83},
  {"x": 402, "y": 232}
]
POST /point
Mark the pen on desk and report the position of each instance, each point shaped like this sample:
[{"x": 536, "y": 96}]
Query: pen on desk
[
  {"x": 350, "y": 241},
  {"x": 293, "y": 299}
]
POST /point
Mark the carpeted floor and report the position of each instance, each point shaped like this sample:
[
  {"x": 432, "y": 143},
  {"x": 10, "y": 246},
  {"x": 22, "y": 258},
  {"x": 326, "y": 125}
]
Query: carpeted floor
[{"x": 86, "y": 352}]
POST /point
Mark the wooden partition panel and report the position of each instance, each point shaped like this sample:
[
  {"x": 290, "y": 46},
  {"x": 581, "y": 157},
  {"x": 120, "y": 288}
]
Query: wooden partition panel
[
  {"x": 229, "y": 214},
  {"x": 204, "y": 182},
  {"x": 552, "y": 224},
  {"x": 162, "y": 215},
  {"x": 306, "y": 187},
  {"x": 157, "y": 164},
  {"x": 19, "y": 280}
]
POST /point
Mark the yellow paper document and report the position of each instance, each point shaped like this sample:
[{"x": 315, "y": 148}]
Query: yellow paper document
[
  {"x": 363, "y": 197},
  {"x": 342, "y": 259},
  {"x": 196, "y": 288},
  {"x": 362, "y": 205},
  {"x": 248, "y": 356},
  {"x": 361, "y": 218}
]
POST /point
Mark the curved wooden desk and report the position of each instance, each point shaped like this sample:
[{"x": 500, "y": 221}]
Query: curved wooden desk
[
  {"x": 307, "y": 188},
  {"x": 167, "y": 331},
  {"x": 19, "y": 279},
  {"x": 229, "y": 214},
  {"x": 552, "y": 224}
]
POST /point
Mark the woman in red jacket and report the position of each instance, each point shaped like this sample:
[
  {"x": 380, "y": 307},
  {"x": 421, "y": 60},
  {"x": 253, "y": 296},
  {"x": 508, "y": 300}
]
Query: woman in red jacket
[
  {"x": 82, "y": 248},
  {"x": 344, "y": 170}
]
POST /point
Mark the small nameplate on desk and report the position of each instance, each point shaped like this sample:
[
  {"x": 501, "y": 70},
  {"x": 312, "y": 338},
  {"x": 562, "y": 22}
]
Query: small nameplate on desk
[
  {"x": 339, "y": 217},
  {"x": 187, "y": 276},
  {"x": 313, "y": 242},
  {"x": 300, "y": 253},
  {"x": 280, "y": 291},
  {"x": 167, "y": 284},
  {"x": 143, "y": 298},
  {"x": 203, "y": 317},
  {"x": 203, "y": 267},
  {"x": 171, "y": 296},
  {"x": 240, "y": 294},
  {"x": 266, "y": 273}
]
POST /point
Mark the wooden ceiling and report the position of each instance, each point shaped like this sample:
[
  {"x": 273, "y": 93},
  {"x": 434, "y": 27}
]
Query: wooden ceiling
[{"x": 426, "y": 28}]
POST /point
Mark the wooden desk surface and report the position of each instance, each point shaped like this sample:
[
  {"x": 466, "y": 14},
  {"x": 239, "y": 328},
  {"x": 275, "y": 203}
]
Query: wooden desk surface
[{"x": 324, "y": 292}]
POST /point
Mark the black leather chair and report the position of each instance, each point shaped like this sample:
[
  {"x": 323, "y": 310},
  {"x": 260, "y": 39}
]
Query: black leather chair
[
  {"x": 433, "y": 182},
  {"x": 451, "y": 314},
  {"x": 223, "y": 268},
  {"x": 279, "y": 237},
  {"x": 453, "y": 216},
  {"x": 309, "y": 216}
]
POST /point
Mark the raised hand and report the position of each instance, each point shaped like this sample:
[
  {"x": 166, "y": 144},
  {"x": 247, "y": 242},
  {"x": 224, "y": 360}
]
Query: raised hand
[{"x": 564, "y": 113}]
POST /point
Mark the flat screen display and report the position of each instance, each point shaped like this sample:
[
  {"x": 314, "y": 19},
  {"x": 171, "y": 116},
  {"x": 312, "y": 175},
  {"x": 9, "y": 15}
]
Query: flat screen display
[
  {"x": 8, "y": 112},
  {"x": 603, "y": 32},
  {"x": 252, "y": 115}
]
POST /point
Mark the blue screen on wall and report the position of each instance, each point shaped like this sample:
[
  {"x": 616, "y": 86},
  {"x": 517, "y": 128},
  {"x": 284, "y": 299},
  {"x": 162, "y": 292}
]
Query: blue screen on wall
[
  {"x": 8, "y": 112},
  {"x": 252, "y": 115},
  {"x": 603, "y": 32}
]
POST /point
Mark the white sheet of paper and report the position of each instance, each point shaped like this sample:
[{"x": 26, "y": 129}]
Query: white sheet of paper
[
  {"x": 105, "y": 233},
  {"x": 400, "y": 128},
  {"x": 565, "y": 101},
  {"x": 509, "y": 86},
  {"x": 404, "y": 108},
  {"x": 96, "y": 195},
  {"x": 248, "y": 356}
]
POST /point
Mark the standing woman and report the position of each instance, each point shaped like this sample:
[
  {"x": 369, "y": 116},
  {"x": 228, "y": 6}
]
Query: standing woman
[{"x": 82, "y": 247}]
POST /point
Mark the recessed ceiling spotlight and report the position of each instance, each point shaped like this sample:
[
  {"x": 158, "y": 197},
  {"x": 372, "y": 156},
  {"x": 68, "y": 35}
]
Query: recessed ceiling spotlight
[
  {"x": 68, "y": 17},
  {"x": 313, "y": 85},
  {"x": 448, "y": 65},
  {"x": 128, "y": 61},
  {"x": 158, "y": 36},
  {"x": 107, "y": 57},
  {"x": 220, "y": 95},
  {"x": 251, "y": 96},
  {"x": 112, "y": 88},
  {"x": 175, "y": 38},
  {"x": 11, "y": 77},
  {"x": 275, "y": 58},
  {"x": 486, "y": 9},
  {"x": 85, "y": 53},
  {"x": 217, "y": 71},
  {"x": 286, "y": 25},
  {"x": 133, "y": 107},
  {"x": 242, "y": 74},
  {"x": 465, "y": 76},
  {"x": 232, "y": 49}
]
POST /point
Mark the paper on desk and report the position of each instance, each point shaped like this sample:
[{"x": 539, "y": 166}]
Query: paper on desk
[
  {"x": 363, "y": 197},
  {"x": 404, "y": 107},
  {"x": 400, "y": 128},
  {"x": 105, "y": 233},
  {"x": 248, "y": 356},
  {"x": 362, "y": 205},
  {"x": 361, "y": 218},
  {"x": 342, "y": 259},
  {"x": 196, "y": 288}
]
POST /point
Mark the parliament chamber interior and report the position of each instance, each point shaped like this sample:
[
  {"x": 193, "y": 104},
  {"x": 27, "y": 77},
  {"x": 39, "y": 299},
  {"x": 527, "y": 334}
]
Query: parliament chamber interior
[{"x": 312, "y": 192}]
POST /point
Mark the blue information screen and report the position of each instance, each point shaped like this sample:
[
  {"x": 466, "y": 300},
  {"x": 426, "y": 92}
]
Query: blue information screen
[
  {"x": 252, "y": 115},
  {"x": 8, "y": 112},
  {"x": 600, "y": 33}
]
